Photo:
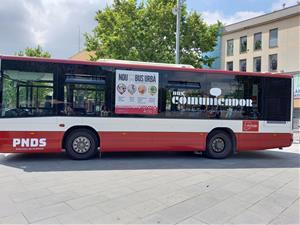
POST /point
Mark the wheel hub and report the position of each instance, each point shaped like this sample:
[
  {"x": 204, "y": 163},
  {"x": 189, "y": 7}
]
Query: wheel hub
[
  {"x": 81, "y": 144},
  {"x": 218, "y": 145}
]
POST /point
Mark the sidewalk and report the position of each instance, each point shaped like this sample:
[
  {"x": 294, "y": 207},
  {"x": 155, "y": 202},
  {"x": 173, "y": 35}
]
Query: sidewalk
[{"x": 258, "y": 187}]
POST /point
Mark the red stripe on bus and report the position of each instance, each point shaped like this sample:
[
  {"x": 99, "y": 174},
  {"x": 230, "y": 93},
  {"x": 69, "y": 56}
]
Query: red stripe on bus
[
  {"x": 152, "y": 141},
  {"x": 261, "y": 141},
  {"x": 139, "y": 141},
  {"x": 29, "y": 138},
  {"x": 186, "y": 141}
]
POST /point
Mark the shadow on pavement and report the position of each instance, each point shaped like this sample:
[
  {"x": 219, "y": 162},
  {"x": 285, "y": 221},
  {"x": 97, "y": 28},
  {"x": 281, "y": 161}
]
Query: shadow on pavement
[{"x": 150, "y": 160}]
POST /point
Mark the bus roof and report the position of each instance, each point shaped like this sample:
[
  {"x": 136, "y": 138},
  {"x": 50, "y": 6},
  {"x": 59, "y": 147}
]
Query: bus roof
[
  {"x": 130, "y": 62},
  {"x": 119, "y": 63}
]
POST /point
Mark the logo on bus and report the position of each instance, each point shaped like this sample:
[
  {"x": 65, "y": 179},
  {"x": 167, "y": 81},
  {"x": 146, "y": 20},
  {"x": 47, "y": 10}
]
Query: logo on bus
[
  {"x": 178, "y": 97},
  {"x": 29, "y": 143},
  {"x": 250, "y": 125}
]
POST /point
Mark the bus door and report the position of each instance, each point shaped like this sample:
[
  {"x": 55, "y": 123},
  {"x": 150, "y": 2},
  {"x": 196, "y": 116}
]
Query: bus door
[{"x": 84, "y": 95}]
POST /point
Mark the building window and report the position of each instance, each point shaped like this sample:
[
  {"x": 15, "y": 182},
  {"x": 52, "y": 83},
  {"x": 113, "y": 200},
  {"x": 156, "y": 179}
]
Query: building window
[
  {"x": 243, "y": 65},
  {"x": 243, "y": 44},
  {"x": 257, "y": 41},
  {"x": 257, "y": 64},
  {"x": 273, "y": 40},
  {"x": 273, "y": 63},
  {"x": 230, "y": 47},
  {"x": 230, "y": 66}
]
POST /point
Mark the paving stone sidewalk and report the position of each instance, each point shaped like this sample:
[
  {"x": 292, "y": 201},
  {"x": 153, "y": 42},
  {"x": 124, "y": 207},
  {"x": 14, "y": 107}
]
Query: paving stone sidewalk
[{"x": 260, "y": 187}]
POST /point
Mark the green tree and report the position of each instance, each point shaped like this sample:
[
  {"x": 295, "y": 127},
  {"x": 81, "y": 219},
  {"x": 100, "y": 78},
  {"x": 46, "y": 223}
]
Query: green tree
[
  {"x": 146, "y": 32},
  {"x": 35, "y": 52}
]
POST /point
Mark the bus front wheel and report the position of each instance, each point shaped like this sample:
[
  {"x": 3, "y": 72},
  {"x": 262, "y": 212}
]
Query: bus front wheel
[
  {"x": 219, "y": 145},
  {"x": 81, "y": 144}
]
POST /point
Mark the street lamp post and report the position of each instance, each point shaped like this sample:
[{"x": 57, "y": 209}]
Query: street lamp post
[{"x": 178, "y": 10}]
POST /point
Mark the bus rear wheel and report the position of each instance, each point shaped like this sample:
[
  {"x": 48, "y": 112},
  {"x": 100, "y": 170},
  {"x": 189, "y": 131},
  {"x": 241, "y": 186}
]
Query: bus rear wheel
[
  {"x": 81, "y": 144},
  {"x": 219, "y": 145}
]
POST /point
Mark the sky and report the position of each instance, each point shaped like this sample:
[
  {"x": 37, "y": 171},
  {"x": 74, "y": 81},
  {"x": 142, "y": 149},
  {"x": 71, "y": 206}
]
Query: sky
[{"x": 55, "y": 24}]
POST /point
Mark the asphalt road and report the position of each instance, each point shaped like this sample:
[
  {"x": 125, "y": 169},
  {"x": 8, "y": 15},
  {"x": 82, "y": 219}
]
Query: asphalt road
[{"x": 259, "y": 187}]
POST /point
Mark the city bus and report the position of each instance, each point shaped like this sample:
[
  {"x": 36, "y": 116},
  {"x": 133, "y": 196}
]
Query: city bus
[{"x": 86, "y": 108}]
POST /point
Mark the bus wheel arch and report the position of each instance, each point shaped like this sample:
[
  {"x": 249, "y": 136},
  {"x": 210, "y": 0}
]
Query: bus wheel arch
[
  {"x": 85, "y": 134},
  {"x": 224, "y": 137}
]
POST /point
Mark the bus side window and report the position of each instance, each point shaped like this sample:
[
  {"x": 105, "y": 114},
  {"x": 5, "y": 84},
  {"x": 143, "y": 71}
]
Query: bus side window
[
  {"x": 176, "y": 105},
  {"x": 84, "y": 93},
  {"x": 27, "y": 93}
]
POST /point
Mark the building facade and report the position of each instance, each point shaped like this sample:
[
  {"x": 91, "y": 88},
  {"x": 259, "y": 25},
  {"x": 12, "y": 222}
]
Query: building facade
[
  {"x": 83, "y": 55},
  {"x": 216, "y": 54},
  {"x": 268, "y": 43}
]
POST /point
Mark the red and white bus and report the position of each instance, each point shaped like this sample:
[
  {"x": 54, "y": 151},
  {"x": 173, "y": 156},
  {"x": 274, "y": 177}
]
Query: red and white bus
[{"x": 84, "y": 108}]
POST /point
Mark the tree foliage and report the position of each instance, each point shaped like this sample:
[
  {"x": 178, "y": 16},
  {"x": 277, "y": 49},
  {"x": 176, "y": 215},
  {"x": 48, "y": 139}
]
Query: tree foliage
[
  {"x": 35, "y": 52},
  {"x": 146, "y": 32}
]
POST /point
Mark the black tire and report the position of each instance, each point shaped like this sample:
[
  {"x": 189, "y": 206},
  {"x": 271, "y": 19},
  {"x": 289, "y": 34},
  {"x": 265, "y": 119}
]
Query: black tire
[
  {"x": 81, "y": 144},
  {"x": 219, "y": 145}
]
